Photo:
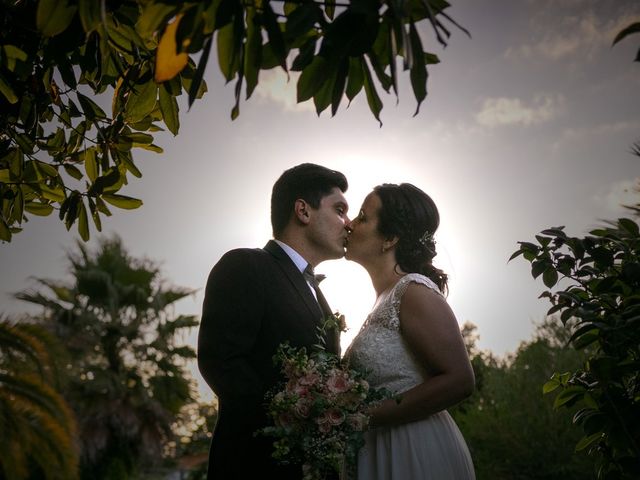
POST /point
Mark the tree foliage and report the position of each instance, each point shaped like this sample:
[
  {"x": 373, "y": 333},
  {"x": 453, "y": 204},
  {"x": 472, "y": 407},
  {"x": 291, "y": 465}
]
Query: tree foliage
[
  {"x": 63, "y": 61},
  {"x": 511, "y": 428},
  {"x": 597, "y": 289},
  {"x": 37, "y": 425},
  {"x": 194, "y": 426},
  {"x": 127, "y": 377}
]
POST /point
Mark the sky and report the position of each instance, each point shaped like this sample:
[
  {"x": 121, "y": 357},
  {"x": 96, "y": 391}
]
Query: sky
[{"x": 528, "y": 124}]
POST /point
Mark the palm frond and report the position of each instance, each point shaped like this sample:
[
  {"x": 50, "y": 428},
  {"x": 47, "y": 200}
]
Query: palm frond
[{"x": 37, "y": 425}]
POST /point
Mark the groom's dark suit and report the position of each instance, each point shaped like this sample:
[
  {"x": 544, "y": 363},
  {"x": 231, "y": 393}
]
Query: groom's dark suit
[{"x": 255, "y": 300}]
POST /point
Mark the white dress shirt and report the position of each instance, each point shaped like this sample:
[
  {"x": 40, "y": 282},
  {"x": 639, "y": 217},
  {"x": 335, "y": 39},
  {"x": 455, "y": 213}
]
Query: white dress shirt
[{"x": 298, "y": 260}]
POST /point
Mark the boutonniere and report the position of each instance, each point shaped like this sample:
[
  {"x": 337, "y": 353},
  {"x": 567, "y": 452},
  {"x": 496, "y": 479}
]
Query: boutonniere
[{"x": 336, "y": 322}]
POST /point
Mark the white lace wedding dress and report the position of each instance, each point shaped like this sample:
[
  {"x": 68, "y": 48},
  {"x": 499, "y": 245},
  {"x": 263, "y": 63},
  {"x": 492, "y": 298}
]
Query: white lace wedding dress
[{"x": 432, "y": 448}]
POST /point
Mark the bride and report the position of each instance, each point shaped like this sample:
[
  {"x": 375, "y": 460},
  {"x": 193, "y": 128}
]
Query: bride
[{"x": 410, "y": 343}]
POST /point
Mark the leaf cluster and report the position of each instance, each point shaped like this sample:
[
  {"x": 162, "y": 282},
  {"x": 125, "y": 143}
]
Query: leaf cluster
[
  {"x": 339, "y": 49},
  {"x": 77, "y": 95},
  {"x": 600, "y": 275},
  {"x": 63, "y": 61}
]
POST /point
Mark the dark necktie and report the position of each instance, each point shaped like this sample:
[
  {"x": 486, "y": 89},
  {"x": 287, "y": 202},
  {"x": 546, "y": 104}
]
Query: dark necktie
[
  {"x": 314, "y": 280},
  {"x": 332, "y": 337}
]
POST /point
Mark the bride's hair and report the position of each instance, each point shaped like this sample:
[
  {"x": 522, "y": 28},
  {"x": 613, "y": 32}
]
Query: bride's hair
[{"x": 411, "y": 215}]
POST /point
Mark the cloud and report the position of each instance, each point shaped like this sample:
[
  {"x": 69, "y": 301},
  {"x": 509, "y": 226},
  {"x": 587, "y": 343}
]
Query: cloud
[
  {"x": 602, "y": 129},
  {"x": 275, "y": 87},
  {"x": 580, "y": 34},
  {"x": 502, "y": 111}
]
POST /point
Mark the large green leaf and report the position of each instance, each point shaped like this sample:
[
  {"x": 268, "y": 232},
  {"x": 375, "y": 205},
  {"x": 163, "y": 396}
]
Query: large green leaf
[
  {"x": 375, "y": 104},
  {"x": 83, "y": 223},
  {"x": 169, "y": 109},
  {"x": 228, "y": 57},
  {"x": 235, "y": 111},
  {"x": 568, "y": 395},
  {"x": 252, "y": 52},
  {"x": 91, "y": 164},
  {"x": 122, "y": 201},
  {"x": 90, "y": 16},
  {"x": 7, "y": 91},
  {"x": 312, "y": 78},
  {"x": 13, "y": 56},
  {"x": 274, "y": 32},
  {"x": 324, "y": 95},
  {"x": 355, "y": 80},
  {"x": 54, "y": 16},
  {"x": 418, "y": 72},
  {"x": 305, "y": 55},
  {"x": 550, "y": 277},
  {"x": 40, "y": 209},
  {"x": 109, "y": 179},
  {"x": 301, "y": 20},
  {"x": 142, "y": 101},
  {"x": 152, "y": 17},
  {"x": 90, "y": 108},
  {"x": 55, "y": 194},
  {"x": 339, "y": 85},
  {"x": 5, "y": 232},
  {"x": 196, "y": 85}
]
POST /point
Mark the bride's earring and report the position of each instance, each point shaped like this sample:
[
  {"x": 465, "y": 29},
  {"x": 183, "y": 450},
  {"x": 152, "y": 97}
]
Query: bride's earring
[{"x": 384, "y": 249}]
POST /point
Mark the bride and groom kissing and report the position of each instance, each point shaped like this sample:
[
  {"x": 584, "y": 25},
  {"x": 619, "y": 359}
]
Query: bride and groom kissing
[{"x": 410, "y": 344}]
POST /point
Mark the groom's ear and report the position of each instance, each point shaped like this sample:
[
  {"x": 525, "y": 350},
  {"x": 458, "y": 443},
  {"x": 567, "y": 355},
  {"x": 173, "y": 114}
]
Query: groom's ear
[{"x": 301, "y": 211}]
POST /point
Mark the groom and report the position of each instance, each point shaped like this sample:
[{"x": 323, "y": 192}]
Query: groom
[{"x": 255, "y": 300}]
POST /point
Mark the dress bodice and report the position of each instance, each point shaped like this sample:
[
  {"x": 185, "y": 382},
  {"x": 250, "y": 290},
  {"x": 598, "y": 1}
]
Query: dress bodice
[{"x": 380, "y": 350}]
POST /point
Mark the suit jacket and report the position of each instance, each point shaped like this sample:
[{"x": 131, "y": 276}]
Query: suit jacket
[{"x": 255, "y": 300}]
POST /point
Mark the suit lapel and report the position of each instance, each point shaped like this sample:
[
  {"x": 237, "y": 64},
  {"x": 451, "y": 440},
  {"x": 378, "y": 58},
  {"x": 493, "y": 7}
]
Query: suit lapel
[{"x": 295, "y": 277}]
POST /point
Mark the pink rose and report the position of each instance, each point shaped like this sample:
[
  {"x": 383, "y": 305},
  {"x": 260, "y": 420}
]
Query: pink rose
[
  {"x": 297, "y": 388},
  {"x": 337, "y": 382},
  {"x": 302, "y": 408},
  {"x": 309, "y": 379},
  {"x": 324, "y": 427},
  {"x": 358, "y": 421},
  {"x": 335, "y": 416},
  {"x": 324, "y": 423}
]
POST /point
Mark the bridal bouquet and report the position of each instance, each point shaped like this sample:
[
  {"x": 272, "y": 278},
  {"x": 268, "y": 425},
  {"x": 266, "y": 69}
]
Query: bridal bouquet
[{"x": 319, "y": 413}]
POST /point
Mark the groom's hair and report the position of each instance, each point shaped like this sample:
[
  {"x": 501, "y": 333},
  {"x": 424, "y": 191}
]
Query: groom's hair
[{"x": 307, "y": 181}]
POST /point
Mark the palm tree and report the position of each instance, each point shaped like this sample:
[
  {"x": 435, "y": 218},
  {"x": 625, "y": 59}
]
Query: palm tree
[
  {"x": 127, "y": 374},
  {"x": 38, "y": 427}
]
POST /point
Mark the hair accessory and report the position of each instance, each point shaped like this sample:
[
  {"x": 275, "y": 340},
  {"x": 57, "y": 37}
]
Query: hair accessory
[{"x": 426, "y": 238}]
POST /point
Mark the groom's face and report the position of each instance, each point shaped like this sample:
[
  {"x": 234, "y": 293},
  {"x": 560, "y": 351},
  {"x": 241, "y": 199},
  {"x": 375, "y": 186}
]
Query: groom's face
[{"x": 326, "y": 232}]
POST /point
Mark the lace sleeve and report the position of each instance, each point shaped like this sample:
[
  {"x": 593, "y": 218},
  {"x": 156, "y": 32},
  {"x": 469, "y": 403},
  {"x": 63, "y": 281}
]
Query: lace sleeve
[{"x": 403, "y": 284}]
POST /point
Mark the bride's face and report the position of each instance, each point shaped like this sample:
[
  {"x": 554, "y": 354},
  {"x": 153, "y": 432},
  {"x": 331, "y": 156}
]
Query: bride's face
[{"x": 364, "y": 241}]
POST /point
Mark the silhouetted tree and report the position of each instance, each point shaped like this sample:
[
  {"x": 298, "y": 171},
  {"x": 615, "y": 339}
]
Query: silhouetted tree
[{"x": 126, "y": 375}]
